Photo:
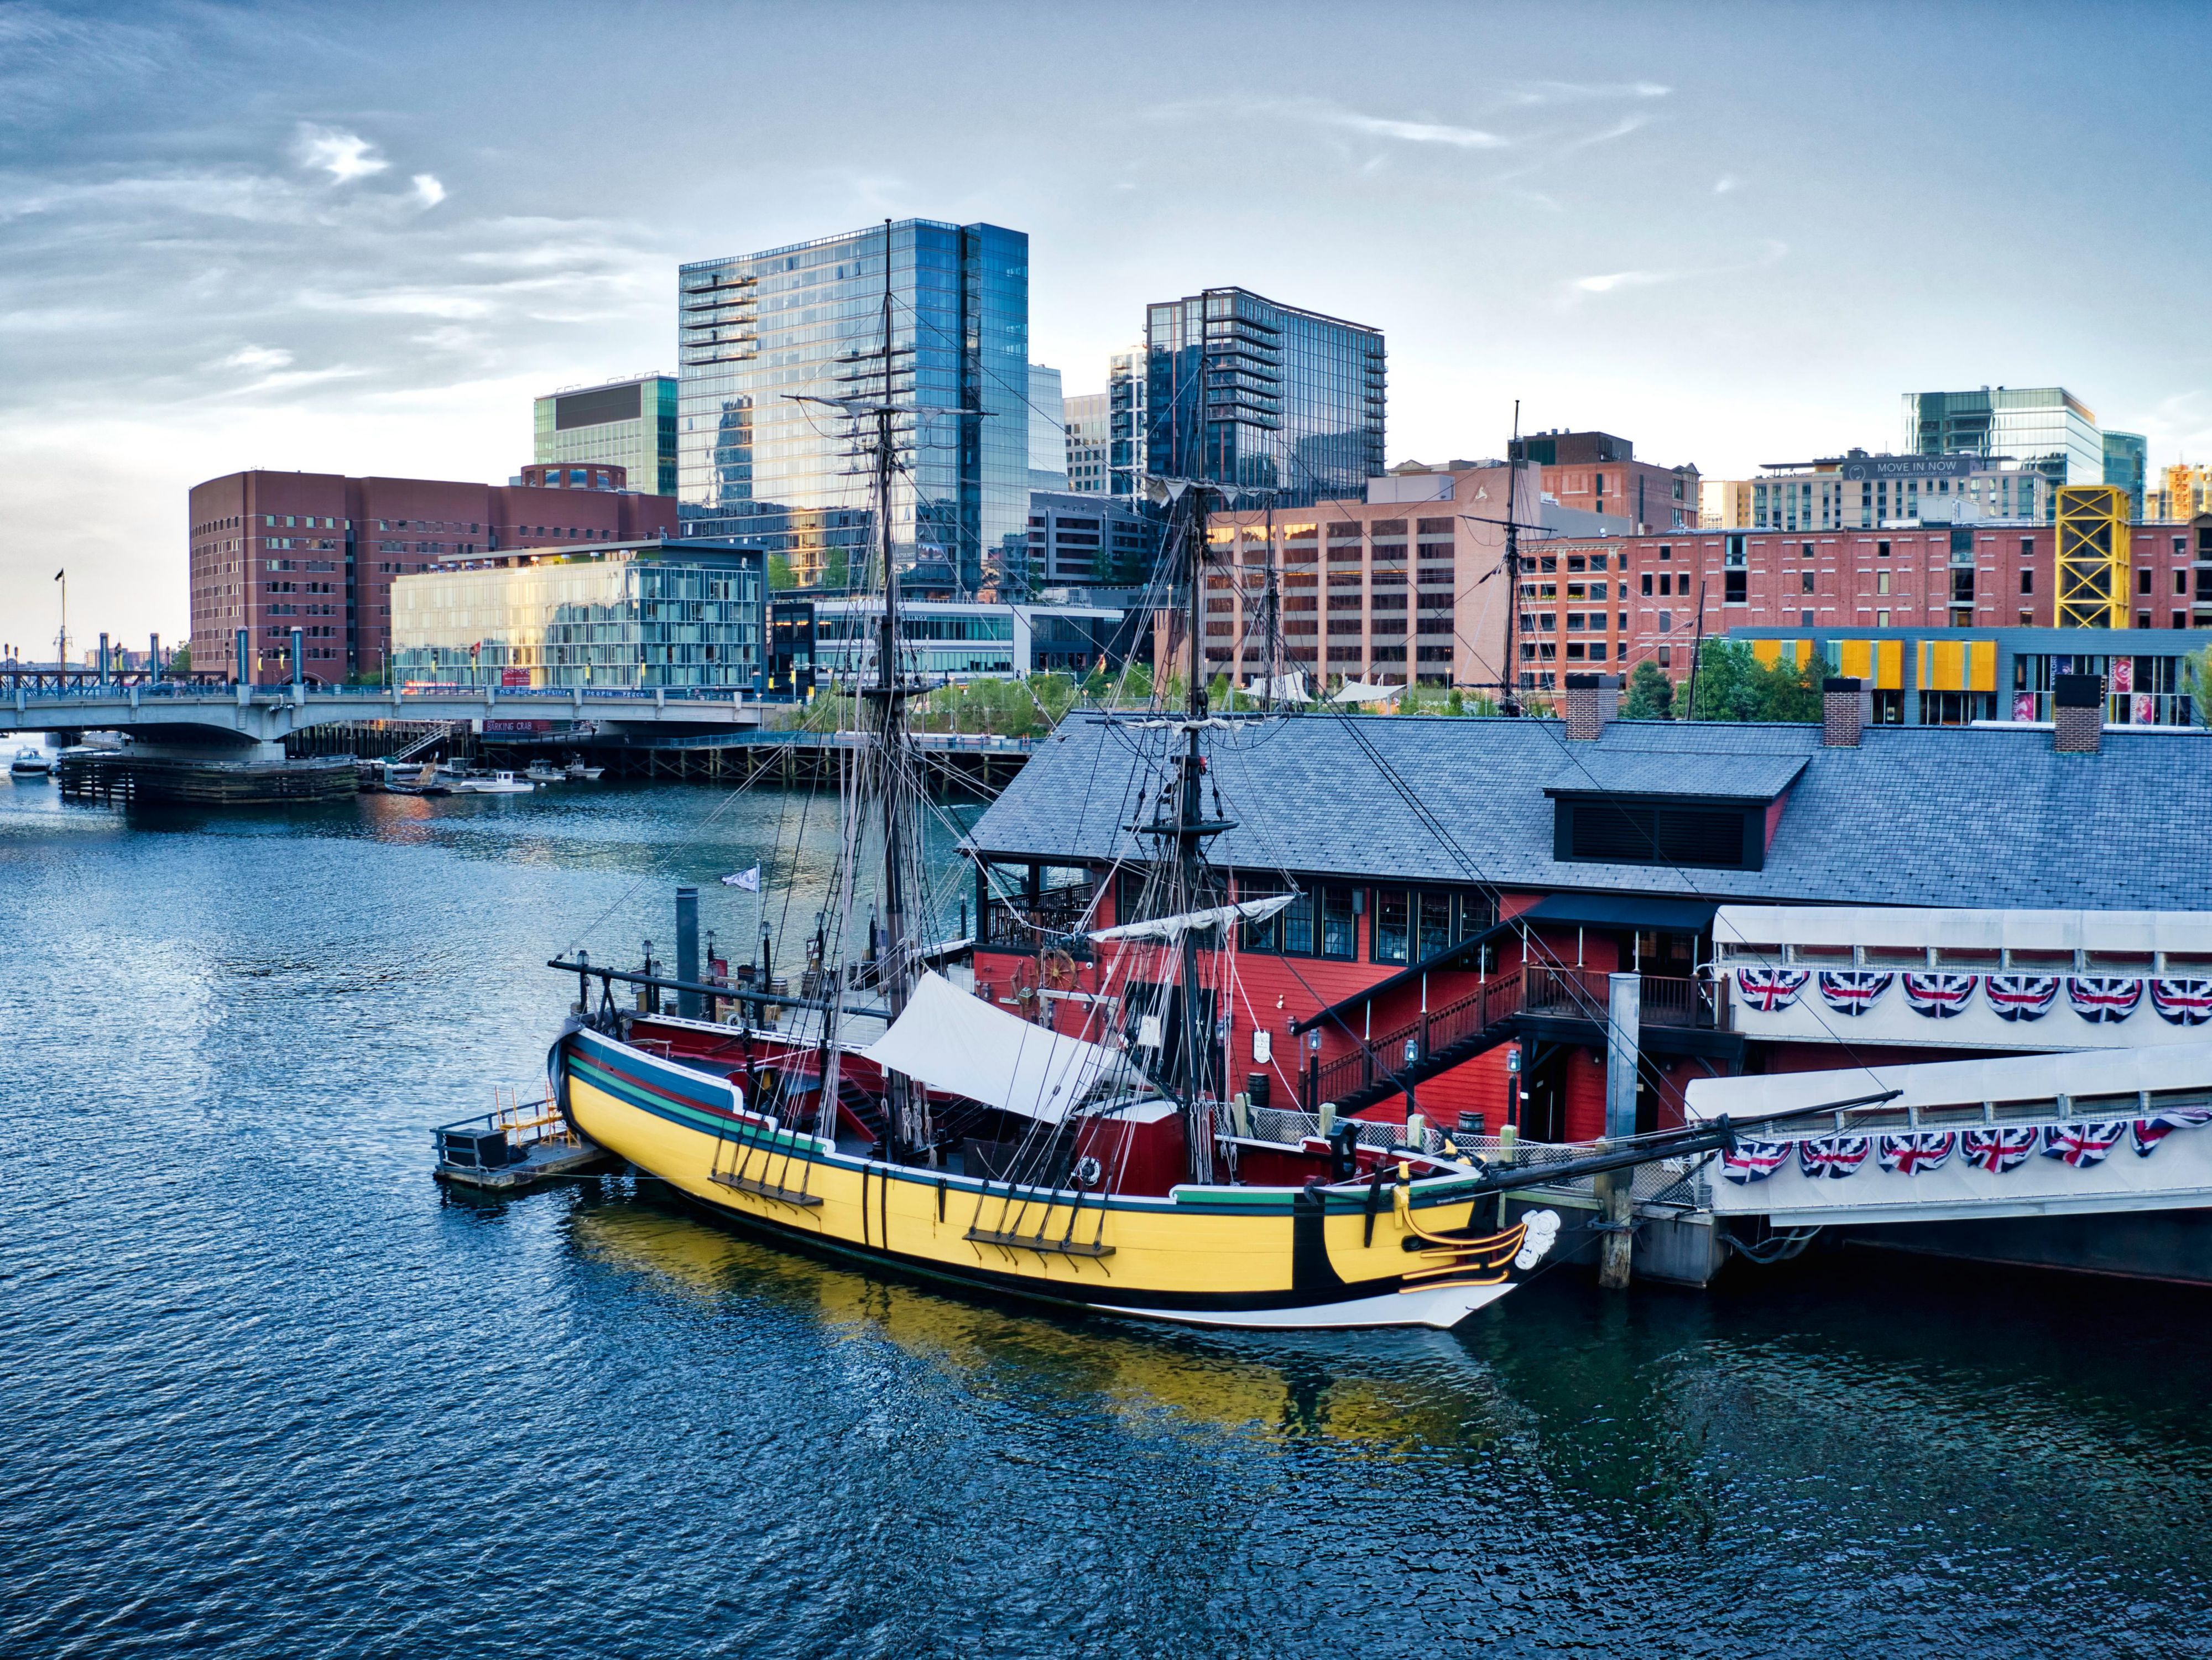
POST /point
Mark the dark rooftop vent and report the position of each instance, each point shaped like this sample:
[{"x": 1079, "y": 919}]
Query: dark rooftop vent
[{"x": 2078, "y": 713}]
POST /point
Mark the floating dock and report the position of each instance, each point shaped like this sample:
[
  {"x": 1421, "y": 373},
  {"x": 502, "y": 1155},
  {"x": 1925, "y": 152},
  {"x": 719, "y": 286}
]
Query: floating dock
[{"x": 514, "y": 1146}]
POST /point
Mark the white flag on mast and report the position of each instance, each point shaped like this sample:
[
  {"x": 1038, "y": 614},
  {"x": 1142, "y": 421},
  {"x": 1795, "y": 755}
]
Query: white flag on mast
[{"x": 747, "y": 879}]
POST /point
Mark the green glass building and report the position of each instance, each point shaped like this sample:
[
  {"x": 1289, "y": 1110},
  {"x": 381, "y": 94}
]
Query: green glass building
[{"x": 628, "y": 424}]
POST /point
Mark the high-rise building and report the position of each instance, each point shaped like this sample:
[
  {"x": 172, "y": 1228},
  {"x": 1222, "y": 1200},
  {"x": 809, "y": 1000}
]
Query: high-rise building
[
  {"x": 2045, "y": 427},
  {"x": 1087, "y": 417},
  {"x": 1129, "y": 421},
  {"x": 1047, "y": 431},
  {"x": 760, "y": 334},
  {"x": 628, "y": 424},
  {"x": 2188, "y": 491},
  {"x": 2127, "y": 464},
  {"x": 1247, "y": 391}
]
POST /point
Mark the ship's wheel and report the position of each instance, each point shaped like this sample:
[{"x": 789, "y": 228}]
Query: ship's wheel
[{"x": 1048, "y": 971}]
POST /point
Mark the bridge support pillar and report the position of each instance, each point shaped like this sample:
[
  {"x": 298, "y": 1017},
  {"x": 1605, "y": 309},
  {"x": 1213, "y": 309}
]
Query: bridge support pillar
[{"x": 1624, "y": 1017}]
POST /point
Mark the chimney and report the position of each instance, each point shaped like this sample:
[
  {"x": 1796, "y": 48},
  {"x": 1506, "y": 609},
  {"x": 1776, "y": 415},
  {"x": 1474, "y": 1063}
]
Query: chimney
[
  {"x": 2078, "y": 706},
  {"x": 1592, "y": 701},
  {"x": 1843, "y": 714}
]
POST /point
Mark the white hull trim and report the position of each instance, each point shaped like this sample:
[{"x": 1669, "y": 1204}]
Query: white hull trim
[{"x": 1440, "y": 1306}]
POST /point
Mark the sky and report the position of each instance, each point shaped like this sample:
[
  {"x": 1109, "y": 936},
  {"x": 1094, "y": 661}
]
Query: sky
[{"x": 361, "y": 239}]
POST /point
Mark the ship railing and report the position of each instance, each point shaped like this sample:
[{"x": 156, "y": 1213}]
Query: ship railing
[{"x": 1679, "y": 1182}]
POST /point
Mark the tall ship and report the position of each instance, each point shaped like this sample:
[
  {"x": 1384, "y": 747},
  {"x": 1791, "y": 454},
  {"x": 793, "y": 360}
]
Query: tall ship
[{"x": 1087, "y": 1152}]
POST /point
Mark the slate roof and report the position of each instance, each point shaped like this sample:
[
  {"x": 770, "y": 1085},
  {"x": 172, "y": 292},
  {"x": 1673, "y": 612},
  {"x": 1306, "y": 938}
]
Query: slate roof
[
  {"x": 1915, "y": 816},
  {"x": 1607, "y": 770}
]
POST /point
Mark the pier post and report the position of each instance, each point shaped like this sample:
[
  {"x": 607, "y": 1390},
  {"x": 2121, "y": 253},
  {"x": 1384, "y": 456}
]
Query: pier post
[
  {"x": 1624, "y": 1014},
  {"x": 687, "y": 950}
]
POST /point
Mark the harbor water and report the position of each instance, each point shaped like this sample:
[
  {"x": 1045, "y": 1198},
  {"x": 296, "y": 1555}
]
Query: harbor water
[{"x": 266, "y": 1391}]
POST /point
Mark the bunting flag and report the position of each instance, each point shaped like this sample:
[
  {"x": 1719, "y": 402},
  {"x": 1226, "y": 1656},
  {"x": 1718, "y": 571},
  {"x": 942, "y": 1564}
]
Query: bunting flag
[
  {"x": 2104, "y": 1000},
  {"x": 1853, "y": 991},
  {"x": 1997, "y": 1151},
  {"x": 2149, "y": 1131},
  {"x": 1915, "y": 1151},
  {"x": 1831, "y": 1155},
  {"x": 2083, "y": 1145},
  {"x": 2021, "y": 996},
  {"x": 1753, "y": 1161},
  {"x": 1770, "y": 990},
  {"x": 2182, "y": 1002},
  {"x": 1939, "y": 997}
]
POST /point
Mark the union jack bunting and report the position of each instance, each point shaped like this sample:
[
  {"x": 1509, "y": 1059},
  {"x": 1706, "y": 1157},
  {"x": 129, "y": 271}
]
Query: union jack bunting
[
  {"x": 2021, "y": 996},
  {"x": 2104, "y": 1000},
  {"x": 1915, "y": 1151},
  {"x": 1997, "y": 1151},
  {"x": 2149, "y": 1131},
  {"x": 2083, "y": 1145},
  {"x": 1939, "y": 997},
  {"x": 2182, "y": 1002},
  {"x": 1831, "y": 1155},
  {"x": 1853, "y": 991},
  {"x": 1770, "y": 990},
  {"x": 1754, "y": 1161}
]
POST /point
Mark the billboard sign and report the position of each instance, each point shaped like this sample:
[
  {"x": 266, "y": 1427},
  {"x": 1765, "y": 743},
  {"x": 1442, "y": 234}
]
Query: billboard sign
[{"x": 1914, "y": 466}]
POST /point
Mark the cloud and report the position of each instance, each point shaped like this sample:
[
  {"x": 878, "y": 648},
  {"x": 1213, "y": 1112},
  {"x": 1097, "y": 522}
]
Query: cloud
[
  {"x": 428, "y": 190},
  {"x": 1620, "y": 279},
  {"x": 1621, "y": 129},
  {"x": 260, "y": 359},
  {"x": 1416, "y": 133},
  {"x": 345, "y": 156},
  {"x": 1575, "y": 92},
  {"x": 1725, "y": 183}
]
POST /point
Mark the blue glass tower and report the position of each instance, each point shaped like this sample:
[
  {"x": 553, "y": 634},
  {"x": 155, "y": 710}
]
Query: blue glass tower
[
  {"x": 756, "y": 467},
  {"x": 1247, "y": 391}
]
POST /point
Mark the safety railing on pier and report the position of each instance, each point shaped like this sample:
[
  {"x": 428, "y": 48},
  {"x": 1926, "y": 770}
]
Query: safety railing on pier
[
  {"x": 1534, "y": 990},
  {"x": 1681, "y": 1183}
]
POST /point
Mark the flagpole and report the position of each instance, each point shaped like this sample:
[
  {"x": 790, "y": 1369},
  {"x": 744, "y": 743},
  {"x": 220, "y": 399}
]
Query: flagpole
[{"x": 61, "y": 641}]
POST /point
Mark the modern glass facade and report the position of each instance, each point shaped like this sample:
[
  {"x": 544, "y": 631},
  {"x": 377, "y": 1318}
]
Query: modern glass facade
[
  {"x": 661, "y": 614},
  {"x": 1047, "y": 431},
  {"x": 2127, "y": 464},
  {"x": 1247, "y": 391},
  {"x": 757, "y": 330},
  {"x": 1128, "y": 391},
  {"x": 956, "y": 640},
  {"x": 2045, "y": 427},
  {"x": 629, "y": 424}
]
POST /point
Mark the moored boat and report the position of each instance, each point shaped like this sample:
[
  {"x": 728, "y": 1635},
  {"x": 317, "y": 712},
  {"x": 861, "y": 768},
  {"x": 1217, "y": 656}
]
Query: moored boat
[{"x": 31, "y": 763}]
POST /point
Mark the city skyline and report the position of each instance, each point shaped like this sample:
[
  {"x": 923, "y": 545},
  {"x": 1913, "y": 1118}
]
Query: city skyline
[{"x": 1731, "y": 241}]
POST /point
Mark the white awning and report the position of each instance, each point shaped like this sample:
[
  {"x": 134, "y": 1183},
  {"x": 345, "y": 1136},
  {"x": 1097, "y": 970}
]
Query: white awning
[
  {"x": 1171, "y": 927},
  {"x": 1359, "y": 691},
  {"x": 951, "y": 1041},
  {"x": 1286, "y": 688}
]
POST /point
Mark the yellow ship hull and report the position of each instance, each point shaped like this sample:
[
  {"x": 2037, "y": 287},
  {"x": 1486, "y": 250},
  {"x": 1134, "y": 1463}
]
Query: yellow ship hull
[{"x": 1404, "y": 1254}]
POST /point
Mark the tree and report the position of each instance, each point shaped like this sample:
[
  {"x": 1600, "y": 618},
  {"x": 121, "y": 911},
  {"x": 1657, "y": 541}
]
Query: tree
[
  {"x": 180, "y": 660},
  {"x": 779, "y": 574},
  {"x": 1650, "y": 693},
  {"x": 2197, "y": 668},
  {"x": 1733, "y": 685}
]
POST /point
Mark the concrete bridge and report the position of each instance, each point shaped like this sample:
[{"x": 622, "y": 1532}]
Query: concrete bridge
[{"x": 238, "y": 721}]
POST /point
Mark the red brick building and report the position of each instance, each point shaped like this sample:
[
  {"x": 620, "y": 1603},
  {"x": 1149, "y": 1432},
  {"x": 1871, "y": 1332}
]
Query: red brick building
[
  {"x": 1661, "y": 590},
  {"x": 1598, "y": 472},
  {"x": 273, "y": 552}
]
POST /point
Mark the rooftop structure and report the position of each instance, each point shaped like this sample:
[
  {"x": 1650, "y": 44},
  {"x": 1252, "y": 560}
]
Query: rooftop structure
[
  {"x": 628, "y": 423},
  {"x": 2045, "y": 427}
]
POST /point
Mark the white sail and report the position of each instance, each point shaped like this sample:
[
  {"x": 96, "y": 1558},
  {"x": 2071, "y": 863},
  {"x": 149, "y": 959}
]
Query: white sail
[
  {"x": 951, "y": 1041},
  {"x": 1171, "y": 927}
]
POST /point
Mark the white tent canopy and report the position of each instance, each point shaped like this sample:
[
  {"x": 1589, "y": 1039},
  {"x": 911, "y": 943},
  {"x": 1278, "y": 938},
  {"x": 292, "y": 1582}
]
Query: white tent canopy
[
  {"x": 951, "y": 1041},
  {"x": 1284, "y": 688},
  {"x": 1360, "y": 692},
  {"x": 1171, "y": 927}
]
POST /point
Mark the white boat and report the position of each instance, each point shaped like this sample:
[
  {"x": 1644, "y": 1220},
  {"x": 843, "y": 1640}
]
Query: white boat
[
  {"x": 500, "y": 783},
  {"x": 542, "y": 772},
  {"x": 578, "y": 770},
  {"x": 31, "y": 763}
]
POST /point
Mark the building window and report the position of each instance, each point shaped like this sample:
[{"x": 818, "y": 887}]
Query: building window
[
  {"x": 1340, "y": 924},
  {"x": 1881, "y": 550},
  {"x": 1392, "y": 931},
  {"x": 2142, "y": 582},
  {"x": 1665, "y": 656},
  {"x": 1805, "y": 582},
  {"x": 2026, "y": 582},
  {"x": 2028, "y": 547},
  {"x": 1647, "y": 585},
  {"x": 1666, "y": 622},
  {"x": 1882, "y": 619},
  {"x": 2142, "y": 619}
]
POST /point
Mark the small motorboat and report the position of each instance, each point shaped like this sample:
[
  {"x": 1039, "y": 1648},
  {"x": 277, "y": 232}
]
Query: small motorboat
[
  {"x": 500, "y": 783},
  {"x": 577, "y": 771},
  {"x": 424, "y": 783},
  {"x": 545, "y": 772},
  {"x": 30, "y": 763}
]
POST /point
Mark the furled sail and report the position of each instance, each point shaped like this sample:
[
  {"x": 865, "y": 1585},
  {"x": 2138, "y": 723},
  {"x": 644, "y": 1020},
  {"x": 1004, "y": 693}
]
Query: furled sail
[
  {"x": 951, "y": 1041},
  {"x": 1171, "y": 927}
]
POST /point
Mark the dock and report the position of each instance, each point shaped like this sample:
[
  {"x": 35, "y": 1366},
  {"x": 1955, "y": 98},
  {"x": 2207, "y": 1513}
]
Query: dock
[{"x": 514, "y": 1147}]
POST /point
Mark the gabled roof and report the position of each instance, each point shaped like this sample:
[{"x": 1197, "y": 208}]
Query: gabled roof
[{"x": 1916, "y": 816}]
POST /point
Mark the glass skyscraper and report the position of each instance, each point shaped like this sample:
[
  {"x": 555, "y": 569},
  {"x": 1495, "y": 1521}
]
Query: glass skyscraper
[
  {"x": 631, "y": 423},
  {"x": 2127, "y": 464},
  {"x": 757, "y": 330},
  {"x": 2045, "y": 427},
  {"x": 1243, "y": 391}
]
